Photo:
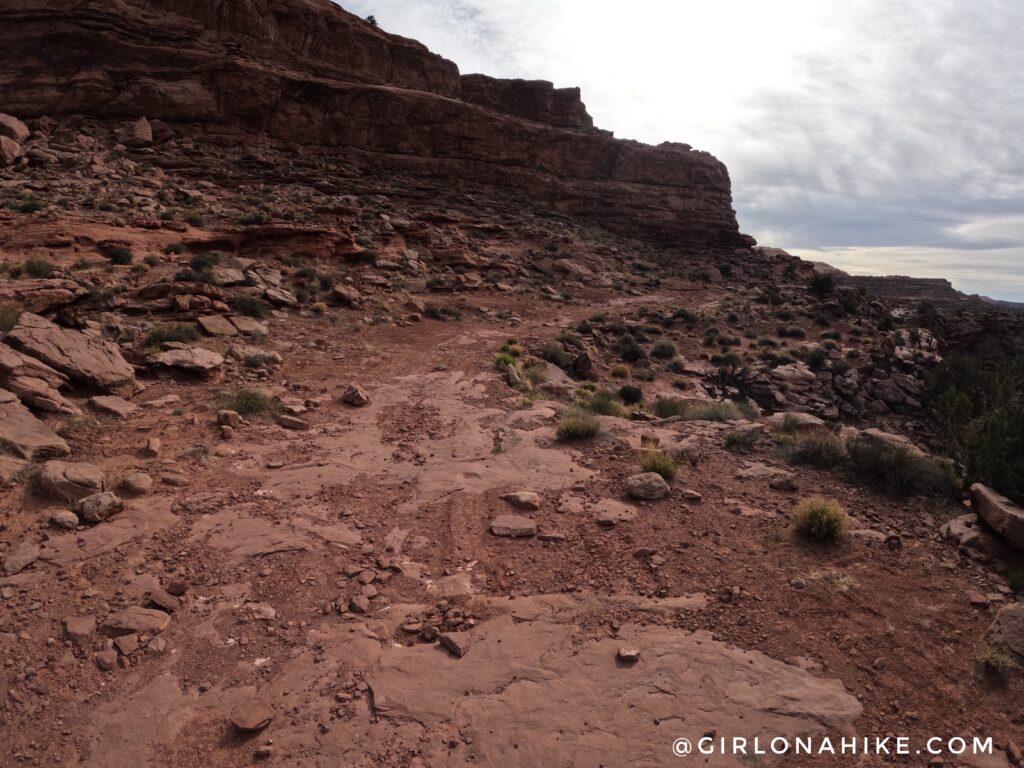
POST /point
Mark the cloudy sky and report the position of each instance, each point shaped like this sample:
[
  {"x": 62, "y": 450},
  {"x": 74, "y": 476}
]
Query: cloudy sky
[{"x": 882, "y": 136}]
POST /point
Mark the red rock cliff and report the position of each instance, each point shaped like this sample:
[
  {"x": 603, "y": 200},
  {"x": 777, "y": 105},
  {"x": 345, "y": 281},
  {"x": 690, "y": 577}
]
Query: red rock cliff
[{"x": 305, "y": 71}]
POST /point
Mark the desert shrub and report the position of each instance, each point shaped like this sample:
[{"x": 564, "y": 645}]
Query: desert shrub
[
  {"x": 604, "y": 403},
  {"x": 584, "y": 328},
  {"x": 900, "y": 471},
  {"x": 442, "y": 312},
  {"x": 204, "y": 261},
  {"x": 319, "y": 308},
  {"x": 822, "y": 284},
  {"x": 790, "y": 332},
  {"x": 646, "y": 374},
  {"x": 253, "y": 217},
  {"x": 555, "y": 355},
  {"x": 724, "y": 410},
  {"x": 821, "y": 520},
  {"x": 659, "y": 462},
  {"x": 631, "y": 395},
  {"x": 174, "y": 249},
  {"x": 38, "y": 268},
  {"x": 817, "y": 448},
  {"x": 121, "y": 255},
  {"x": 8, "y": 318},
  {"x": 577, "y": 424},
  {"x": 249, "y": 402},
  {"x": 620, "y": 372},
  {"x": 30, "y": 206},
  {"x": 740, "y": 439},
  {"x": 980, "y": 412},
  {"x": 504, "y": 360},
  {"x": 1016, "y": 579},
  {"x": 667, "y": 407},
  {"x": 995, "y": 665},
  {"x": 179, "y": 332},
  {"x": 570, "y": 340},
  {"x": 250, "y": 306},
  {"x": 664, "y": 350},
  {"x": 629, "y": 349}
]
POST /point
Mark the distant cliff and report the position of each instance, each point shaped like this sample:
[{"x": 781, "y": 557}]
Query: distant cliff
[{"x": 307, "y": 72}]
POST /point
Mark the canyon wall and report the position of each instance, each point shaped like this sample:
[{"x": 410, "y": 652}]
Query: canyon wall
[{"x": 307, "y": 72}]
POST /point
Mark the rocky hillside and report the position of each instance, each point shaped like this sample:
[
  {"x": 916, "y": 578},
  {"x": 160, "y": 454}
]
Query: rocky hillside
[
  {"x": 354, "y": 412},
  {"x": 305, "y": 72}
]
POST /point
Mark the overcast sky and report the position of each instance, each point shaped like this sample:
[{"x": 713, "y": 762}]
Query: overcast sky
[{"x": 882, "y": 136}]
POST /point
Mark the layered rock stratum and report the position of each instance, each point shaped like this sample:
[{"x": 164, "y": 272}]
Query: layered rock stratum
[{"x": 306, "y": 72}]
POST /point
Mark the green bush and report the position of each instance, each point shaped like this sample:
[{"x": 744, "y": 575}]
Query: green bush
[
  {"x": 664, "y": 350},
  {"x": 121, "y": 255},
  {"x": 629, "y": 349},
  {"x": 179, "y": 332},
  {"x": 631, "y": 395},
  {"x": 604, "y": 403},
  {"x": 620, "y": 372},
  {"x": 8, "y": 318},
  {"x": 504, "y": 360},
  {"x": 38, "y": 268},
  {"x": 817, "y": 448},
  {"x": 822, "y": 284},
  {"x": 668, "y": 407},
  {"x": 577, "y": 424},
  {"x": 724, "y": 410},
  {"x": 995, "y": 665},
  {"x": 899, "y": 471},
  {"x": 555, "y": 355},
  {"x": 249, "y": 402},
  {"x": 659, "y": 462},
  {"x": 821, "y": 520},
  {"x": 250, "y": 306},
  {"x": 741, "y": 439},
  {"x": 204, "y": 261}
]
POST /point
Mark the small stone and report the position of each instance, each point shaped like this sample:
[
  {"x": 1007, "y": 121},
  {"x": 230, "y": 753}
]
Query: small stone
[
  {"x": 254, "y": 715},
  {"x": 798, "y": 583},
  {"x": 783, "y": 483},
  {"x": 226, "y": 432},
  {"x": 64, "y": 518},
  {"x": 229, "y": 418},
  {"x": 176, "y": 588},
  {"x": 127, "y": 644},
  {"x": 106, "y": 660},
  {"x": 629, "y": 655},
  {"x": 456, "y": 643},
  {"x": 649, "y": 486},
  {"x": 359, "y": 604},
  {"x": 151, "y": 449},
  {"x": 80, "y": 630},
  {"x": 138, "y": 483},
  {"x": 98, "y": 507},
  {"x": 523, "y": 500},
  {"x": 513, "y": 526},
  {"x": 355, "y": 395},
  {"x": 165, "y": 600},
  {"x": 291, "y": 422},
  {"x": 691, "y": 495},
  {"x": 143, "y": 621}
]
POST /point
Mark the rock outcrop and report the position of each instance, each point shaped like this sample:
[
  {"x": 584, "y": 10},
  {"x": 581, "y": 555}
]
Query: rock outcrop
[{"x": 306, "y": 72}]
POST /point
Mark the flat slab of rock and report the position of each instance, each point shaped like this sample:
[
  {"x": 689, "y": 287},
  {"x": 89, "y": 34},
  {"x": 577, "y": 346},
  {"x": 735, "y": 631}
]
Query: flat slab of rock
[
  {"x": 523, "y": 500},
  {"x": 137, "y": 620},
  {"x": 70, "y": 481},
  {"x": 799, "y": 421},
  {"x": 195, "y": 360},
  {"x": 82, "y": 357},
  {"x": 649, "y": 486},
  {"x": 611, "y": 512},
  {"x": 249, "y": 326},
  {"x": 513, "y": 527},
  {"x": 1001, "y": 514},
  {"x": 26, "y": 435},
  {"x": 217, "y": 325},
  {"x": 252, "y": 716},
  {"x": 113, "y": 405},
  {"x": 80, "y": 630},
  {"x": 21, "y": 557}
]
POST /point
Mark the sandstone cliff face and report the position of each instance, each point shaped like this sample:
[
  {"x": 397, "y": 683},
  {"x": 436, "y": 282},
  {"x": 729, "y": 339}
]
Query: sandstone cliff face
[{"x": 307, "y": 72}]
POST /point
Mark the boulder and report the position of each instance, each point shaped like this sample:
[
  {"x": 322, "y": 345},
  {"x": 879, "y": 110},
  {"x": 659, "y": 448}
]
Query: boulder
[
  {"x": 13, "y": 128},
  {"x": 80, "y": 630},
  {"x": 649, "y": 486},
  {"x": 82, "y": 357},
  {"x": 10, "y": 151},
  {"x": 355, "y": 395},
  {"x": 1002, "y": 515},
  {"x": 98, "y": 507},
  {"x": 522, "y": 500},
  {"x": 40, "y": 295},
  {"x": 1007, "y": 631},
  {"x": 217, "y": 325},
  {"x": 70, "y": 482},
  {"x": 252, "y": 716},
  {"x": 800, "y": 421},
  {"x": 26, "y": 435},
  {"x": 346, "y": 294},
  {"x": 977, "y": 540},
  {"x": 136, "y": 620}
]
